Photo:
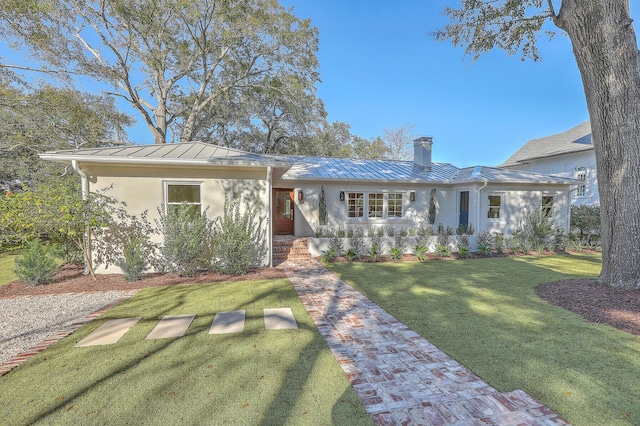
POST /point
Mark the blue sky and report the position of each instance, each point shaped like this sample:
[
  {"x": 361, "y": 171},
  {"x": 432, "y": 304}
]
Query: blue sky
[{"x": 381, "y": 68}]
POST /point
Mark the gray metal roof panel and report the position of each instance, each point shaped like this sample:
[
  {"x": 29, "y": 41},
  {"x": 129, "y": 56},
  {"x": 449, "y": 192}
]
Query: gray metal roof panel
[
  {"x": 322, "y": 168},
  {"x": 573, "y": 140},
  {"x": 498, "y": 175}
]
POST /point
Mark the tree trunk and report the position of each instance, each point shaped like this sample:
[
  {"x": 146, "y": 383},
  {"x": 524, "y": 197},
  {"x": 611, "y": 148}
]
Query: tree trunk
[{"x": 606, "y": 51}]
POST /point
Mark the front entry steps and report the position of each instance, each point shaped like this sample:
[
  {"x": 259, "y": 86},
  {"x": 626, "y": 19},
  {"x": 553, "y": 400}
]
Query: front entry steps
[{"x": 290, "y": 248}]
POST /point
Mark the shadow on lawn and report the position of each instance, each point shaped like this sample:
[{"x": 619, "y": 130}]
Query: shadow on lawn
[
  {"x": 486, "y": 315},
  {"x": 195, "y": 379}
]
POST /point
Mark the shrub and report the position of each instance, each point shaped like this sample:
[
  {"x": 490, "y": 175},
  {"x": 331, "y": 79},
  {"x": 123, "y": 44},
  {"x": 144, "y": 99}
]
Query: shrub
[
  {"x": 133, "y": 263},
  {"x": 443, "y": 251},
  {"x": 374, "y": 252},
  {"x": 421, "y": 252},
  {"x": 498, "y": 242},
  {"x": 396, "y": 253},
  {"x": 560, "y": 240},
  {"x": 400, "y": 241},
  {"x": 328, "y": 255},
  {"x": 376, "y": 240},
  {"x": 239, "y": 240},
  {"x": 36, "y": 265},
  {"x": 335, "y": 244},
  {"x": 537, "y": 228},
  {"x": 485, "y": 242},
  {"x": 318, "y": 233},
  {"x": 356, "y": 241},
  {"x": 187, "y": 246},
  {"x": 586, "y": 219},
  {"x": 422, "y": 235},
  {"x": 391, "y": 231},
  {"x": 340, "y": 233},
  {"x": 352, "y": 254},
  {"x": 464, "y": 251}
]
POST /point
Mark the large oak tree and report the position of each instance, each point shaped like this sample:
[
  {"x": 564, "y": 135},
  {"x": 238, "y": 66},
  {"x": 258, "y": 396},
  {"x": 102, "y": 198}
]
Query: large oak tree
[
  {"x": 174, "y": 61},
  {"x": 606, "y": 51}
]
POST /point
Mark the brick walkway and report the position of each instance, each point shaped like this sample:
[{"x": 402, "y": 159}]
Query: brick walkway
[{"x": 400, "y": 377}]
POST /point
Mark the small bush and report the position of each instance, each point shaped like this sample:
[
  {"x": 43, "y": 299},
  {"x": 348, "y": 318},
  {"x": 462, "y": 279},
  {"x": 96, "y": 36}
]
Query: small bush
[
  {"x": 400, "y": 240},
  {"x": 485, "y": 242},
  {"x": 560, "y": 240},
  {"x": 396, "y": 253},
  {"x": 187, "y": 246},
  {"x": 328, "y": 256},
  {"x": 352, "y": 254},
  {"x": 464, "y": 251},
  {"x": 421, "y": 252},
  {"x": 36, "y": 265},
  {"x": 586, "y": 219},
  {"x": 134, "y": 263},
  {"x": 391, "y": 231},
  {"x": 340, "y": 233},
  {"x": 356, "y": 241},
  {"x": 374, "y": 252},
  {"x": 239, "y": 240},
  {"x": 498, "y": 242},
  {"x": 537, "y": 229},
  {"x": 443, "y": 251},
  {"x": 335, "y": 244}
]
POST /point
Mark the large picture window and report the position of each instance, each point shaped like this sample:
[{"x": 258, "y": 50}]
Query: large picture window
[
  {"x": 379, "y": 205},
  {"x": 184, "y": 193}
]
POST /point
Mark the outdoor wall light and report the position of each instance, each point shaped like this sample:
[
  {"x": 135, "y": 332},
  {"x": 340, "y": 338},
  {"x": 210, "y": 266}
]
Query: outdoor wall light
[
  {"x": 300, "y": 195},
  {"x": 341, "y": 195},
  {"x": 412, "y": 196}
]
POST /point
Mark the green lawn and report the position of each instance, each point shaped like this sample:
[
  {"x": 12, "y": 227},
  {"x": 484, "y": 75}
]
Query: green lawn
[
  {"x": 485, "y": 314},
  {"x": 7, "y": 263},
  {"x": 274, "y": 377}
]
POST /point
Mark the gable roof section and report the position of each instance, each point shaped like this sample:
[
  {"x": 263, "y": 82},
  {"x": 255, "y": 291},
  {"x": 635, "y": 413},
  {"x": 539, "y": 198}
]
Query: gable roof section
[
  {"x": 185, "y": 153},
  {"x": 325, "y": 168},
  {"x": 576, "y": 139},
  {"x": 497, "y": 175}
]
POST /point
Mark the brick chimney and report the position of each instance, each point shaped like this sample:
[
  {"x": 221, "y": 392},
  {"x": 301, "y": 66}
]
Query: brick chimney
[{"x": 422, "y": 152}]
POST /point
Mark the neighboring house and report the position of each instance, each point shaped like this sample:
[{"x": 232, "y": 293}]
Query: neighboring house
[
  {"x": 289, "y": 189},
  {"x": 569, "y": 154}
]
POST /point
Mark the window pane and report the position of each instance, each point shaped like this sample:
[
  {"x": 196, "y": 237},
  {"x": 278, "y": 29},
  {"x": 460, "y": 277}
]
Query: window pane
[
  {"x": 183, "y": 193},
  {"x": 495, "y": 202},
  {"x": 547, "y": 206},
  {"x": 355, "y": 202},
  {"x": 376, "y": 202},
  {"x": 395, "y": 205}
]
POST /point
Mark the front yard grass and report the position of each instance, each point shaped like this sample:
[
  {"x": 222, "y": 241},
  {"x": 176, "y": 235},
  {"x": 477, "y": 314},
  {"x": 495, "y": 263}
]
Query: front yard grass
[
  {"x": 485, "y": 314},
  {"x": 283, "y": 377},
  {"x": 7, "y": 265}
]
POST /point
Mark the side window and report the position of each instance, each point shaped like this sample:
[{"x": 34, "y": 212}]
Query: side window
[
  {"x": 395, "y": 205},
  {"x": 355, "y": 202},
  {"x": 581, "y": 174},
  {"x": 184, "y": 193},
  {"x": 376, "y": 204},
  {"x": 495, "y": 204},
  {"x": 547, "y": 206}
]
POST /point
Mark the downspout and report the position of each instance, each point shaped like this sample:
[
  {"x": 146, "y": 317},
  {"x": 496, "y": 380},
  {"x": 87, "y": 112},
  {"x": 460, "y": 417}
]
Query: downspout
[
  {"x": 85, "y": 195},
  {"x": 270, "y": 219},
  {"x": 486, "y": 182}
]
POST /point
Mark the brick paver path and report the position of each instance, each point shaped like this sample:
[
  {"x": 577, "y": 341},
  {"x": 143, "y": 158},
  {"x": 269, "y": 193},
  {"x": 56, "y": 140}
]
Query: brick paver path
[{"x": 400, "y": 377}]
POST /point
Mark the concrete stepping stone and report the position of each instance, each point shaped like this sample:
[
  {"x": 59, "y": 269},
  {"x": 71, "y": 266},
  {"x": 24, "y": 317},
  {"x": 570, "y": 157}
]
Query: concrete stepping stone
[
  {"x": 171, "y": 326},
  {"x": 279, "y": 319},
  {"x": 109, "y": 332},
  {"x": 228, "y": 322}
]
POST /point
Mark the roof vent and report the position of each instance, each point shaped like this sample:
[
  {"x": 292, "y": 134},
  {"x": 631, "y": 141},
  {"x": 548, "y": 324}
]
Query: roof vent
[{"x": 422, "y": 152}]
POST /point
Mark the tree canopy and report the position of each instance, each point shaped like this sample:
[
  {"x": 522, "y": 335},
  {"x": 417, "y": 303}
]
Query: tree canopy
[
  {"x": 174, "y": 61},
  {"x": 606, "y": 51}
]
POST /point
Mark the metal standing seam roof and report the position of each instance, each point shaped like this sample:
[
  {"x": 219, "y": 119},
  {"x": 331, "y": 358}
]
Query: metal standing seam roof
[
  {"x": 301, "y": 167},
  {"x": 185, "y": 152},
  {"x": 323, "y": 168},
  {"x": 498, "y": 175},
  {"x": 573, "y": 140}
]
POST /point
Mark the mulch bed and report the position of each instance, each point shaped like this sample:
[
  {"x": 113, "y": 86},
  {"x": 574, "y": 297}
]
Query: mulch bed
[
  {"x": 586, "y": 297},
  {"x": 596, "y": 302},
  {"x": 70, "y": 279}
]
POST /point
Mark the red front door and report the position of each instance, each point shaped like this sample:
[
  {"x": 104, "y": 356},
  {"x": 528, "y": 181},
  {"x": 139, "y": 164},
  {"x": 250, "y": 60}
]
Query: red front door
[{"x": 283, "y": 212}]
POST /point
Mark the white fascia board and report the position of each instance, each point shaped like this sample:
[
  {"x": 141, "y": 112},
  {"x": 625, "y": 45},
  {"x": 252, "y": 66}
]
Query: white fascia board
[{"x": 157, "y": 161}]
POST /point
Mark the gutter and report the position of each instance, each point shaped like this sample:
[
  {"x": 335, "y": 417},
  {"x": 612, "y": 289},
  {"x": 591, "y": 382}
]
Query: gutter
[
  {"x": 269, "y": 218},
  {"x": 486, "y": 182},
  {"x": 85, "y": 196}
]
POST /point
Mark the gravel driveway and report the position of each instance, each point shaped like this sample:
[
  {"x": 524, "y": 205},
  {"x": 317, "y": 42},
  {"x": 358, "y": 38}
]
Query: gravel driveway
[{"x": 27, "y": 321}]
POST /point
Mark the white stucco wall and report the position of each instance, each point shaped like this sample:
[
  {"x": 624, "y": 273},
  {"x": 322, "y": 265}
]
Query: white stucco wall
[
  {"x": 143, "y": 188},
  {"x": 566, "y": 165}
]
